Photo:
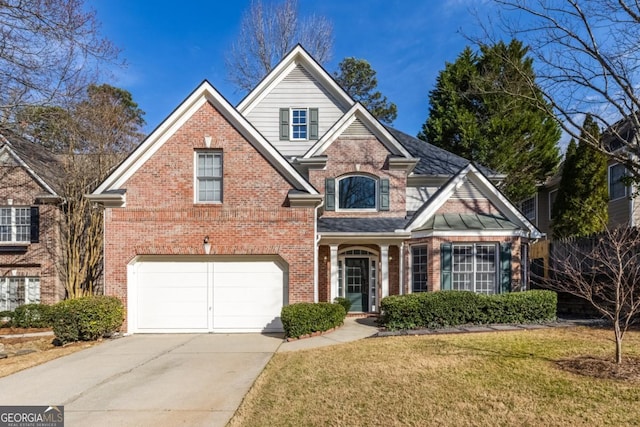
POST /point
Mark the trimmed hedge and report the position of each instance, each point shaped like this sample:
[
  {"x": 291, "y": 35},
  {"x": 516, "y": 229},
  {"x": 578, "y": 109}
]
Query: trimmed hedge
[
  {"x": 32, "y": 316},
  {"x": 306, "y": 318},
  {"x": 87, "y": 318},
  {"x": 452, "y": 308},
  {"x": 343, "y": 302}
]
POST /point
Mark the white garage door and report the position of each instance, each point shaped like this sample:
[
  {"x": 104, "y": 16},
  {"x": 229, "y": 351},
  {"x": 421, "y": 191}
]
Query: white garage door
[{"x": 196, "y": 296}]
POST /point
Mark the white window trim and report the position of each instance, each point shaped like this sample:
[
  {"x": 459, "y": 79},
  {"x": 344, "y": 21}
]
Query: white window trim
[
  {"x": 14, "y": 226},
  {"x": 474, "y": 270},
  {"x": 626, "y": 189},
  {"x": 376, "y": 196},
  {"x": 535, "y": 208},
  {"x": 195, "y": 178},
  {"x": 4, "y": 289},
  {"x": 551, "y": 203},
  {"x": 411, "y": 248},
  {"x": 291, "y": 110}
]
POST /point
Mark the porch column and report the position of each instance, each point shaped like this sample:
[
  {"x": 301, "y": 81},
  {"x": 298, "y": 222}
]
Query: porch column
[
  {"x": 384, "y": 270},
  {"x": 334, "y": 272}
]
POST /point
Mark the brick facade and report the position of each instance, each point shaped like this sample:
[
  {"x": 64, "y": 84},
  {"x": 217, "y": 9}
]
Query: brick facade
[
  {"x": 40, "y": 259},
  {"x": 161, "y": 218}
]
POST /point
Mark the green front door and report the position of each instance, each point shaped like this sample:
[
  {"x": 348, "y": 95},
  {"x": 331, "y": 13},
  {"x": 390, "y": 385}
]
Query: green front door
[{"x": 357, "y": 280}]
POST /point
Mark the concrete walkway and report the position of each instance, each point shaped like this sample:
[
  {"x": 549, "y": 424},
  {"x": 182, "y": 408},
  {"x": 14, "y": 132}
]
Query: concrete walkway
[{"x": 353, "y": 329}]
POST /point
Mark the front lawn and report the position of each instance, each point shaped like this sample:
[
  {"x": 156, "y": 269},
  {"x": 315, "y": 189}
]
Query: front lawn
[{"x": 503, "y": 378}]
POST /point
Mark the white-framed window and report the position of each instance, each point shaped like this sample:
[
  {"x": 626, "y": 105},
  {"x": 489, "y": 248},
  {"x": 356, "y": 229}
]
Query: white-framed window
[
  {"x": 419, "y": 273},
  {"x": 15, "y": 224},
  {"x": 208, "y": 177},
  {"x": 552, "y": 201},
  {"x": 299, "y": 123},
  {"x": 528, "y": 208},
  {"x": 357, "y": 192},
  {"x": 617, "y": 188},
  {"x": 474, "y": 267},
  {"x": 16, "y": 291}
]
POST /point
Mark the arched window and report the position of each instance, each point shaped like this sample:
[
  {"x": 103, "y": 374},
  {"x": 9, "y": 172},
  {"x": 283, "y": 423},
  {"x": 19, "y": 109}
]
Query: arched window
[{"x": 357, "y": 192}]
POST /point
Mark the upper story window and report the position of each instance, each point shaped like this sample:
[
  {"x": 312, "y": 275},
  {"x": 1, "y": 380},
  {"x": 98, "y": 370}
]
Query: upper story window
[
  {"x": 208, "y": 177},
  {"x": 15, "y": 224},
  {"x": 357, "y": 192},
  {"x": 528, "y": 208},
  {"x": 552, "y": 201},
  {"x": 617, "y": 188},
  {"x": 298, "y": 124}
]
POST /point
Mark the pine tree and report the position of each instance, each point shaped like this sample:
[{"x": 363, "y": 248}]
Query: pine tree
[
  {"x": 582, "y": 201},
  {"x": 478, "y": 111}
]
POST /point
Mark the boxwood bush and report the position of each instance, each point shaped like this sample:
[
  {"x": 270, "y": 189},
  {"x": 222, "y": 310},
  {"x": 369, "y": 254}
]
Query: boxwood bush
[
  {"x": 452, "y": 308},
  {"x": 87, "y": 318},
  {"x": 343, "y": 302},
  {"x": 306, "y": 318},
  {"x": 32, "y": 316}
]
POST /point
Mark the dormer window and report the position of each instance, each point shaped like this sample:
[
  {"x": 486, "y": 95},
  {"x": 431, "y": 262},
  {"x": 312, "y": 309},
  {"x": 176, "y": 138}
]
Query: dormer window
[
  {"x": 298, "y": 124},
  {"x": 357, "y": 192}
]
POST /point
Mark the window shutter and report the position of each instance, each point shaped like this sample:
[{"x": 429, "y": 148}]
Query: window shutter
[
  {"x": 330, "y": 194},
  {"x": 313, "y": 123},
  {"x": 505, "y": 267},
  {"x": 384, "y": 194},
  {"x": 35, "y": 224},
  {"x": 284, "y": 123},
  {"x": 445, "y": 266}
]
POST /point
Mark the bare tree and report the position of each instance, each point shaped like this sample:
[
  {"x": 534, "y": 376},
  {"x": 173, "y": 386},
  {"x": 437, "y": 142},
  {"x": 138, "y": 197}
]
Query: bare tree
[
  {"x": 267, "y": 33},
  {"x": 49, "y": 50},
  {"x": 605, "y": 271},
  {"x": 587, "y": 59},
  {"x": 91, "y": 138}
]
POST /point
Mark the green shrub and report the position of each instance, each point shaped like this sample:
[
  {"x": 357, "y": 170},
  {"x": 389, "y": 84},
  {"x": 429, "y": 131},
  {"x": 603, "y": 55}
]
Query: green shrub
[
  {"x": 343, "y": 302},
  {"x": 453, "y": 308},
  {"x": 306, "y": 318},
  {"x": 5, "y": 318},
  {"x": 87, "y": 318},
  {"x": 32, "y": 316}
]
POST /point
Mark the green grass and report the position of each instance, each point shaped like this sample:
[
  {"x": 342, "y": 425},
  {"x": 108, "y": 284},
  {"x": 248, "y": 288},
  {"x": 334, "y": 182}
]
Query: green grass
[{"x": 496, "y": 379}]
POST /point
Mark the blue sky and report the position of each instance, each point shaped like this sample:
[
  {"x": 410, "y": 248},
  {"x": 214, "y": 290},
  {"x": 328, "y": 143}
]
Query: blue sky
[{"x": 171, "y": 47}]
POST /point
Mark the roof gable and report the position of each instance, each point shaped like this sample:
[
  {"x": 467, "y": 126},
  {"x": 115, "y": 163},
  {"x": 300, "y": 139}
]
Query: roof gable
[
  {"x": 358, "y": 117},
  {"x": 295, "y": 58},
  {"x": 470, "y": 174},
  {"x": 41, "y": 164},
  {"x": 201, "y": 95}
]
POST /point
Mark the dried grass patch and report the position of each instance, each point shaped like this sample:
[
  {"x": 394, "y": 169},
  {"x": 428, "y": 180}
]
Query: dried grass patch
[{"x": 505, "y": 378}]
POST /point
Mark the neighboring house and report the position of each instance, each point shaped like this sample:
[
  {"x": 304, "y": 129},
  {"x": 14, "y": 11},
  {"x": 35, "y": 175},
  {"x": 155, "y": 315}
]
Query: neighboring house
[
  {"x": 29, "y": 217},
  {"x": 223, "y": 215}
]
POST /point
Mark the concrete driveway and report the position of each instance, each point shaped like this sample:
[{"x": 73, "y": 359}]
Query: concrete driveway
[{"x": 147, "y": 380}]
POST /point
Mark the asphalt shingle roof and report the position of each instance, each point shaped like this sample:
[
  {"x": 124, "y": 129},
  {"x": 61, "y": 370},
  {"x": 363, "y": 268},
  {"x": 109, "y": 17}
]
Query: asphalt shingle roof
[{"x": 360, "y": 225}]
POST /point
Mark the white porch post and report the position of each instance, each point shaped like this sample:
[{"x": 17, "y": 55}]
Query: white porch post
[
  {"x": 401, "y": 268},
  {"x": 384, "y": 267},
  {"x": 334, "y": 272}
]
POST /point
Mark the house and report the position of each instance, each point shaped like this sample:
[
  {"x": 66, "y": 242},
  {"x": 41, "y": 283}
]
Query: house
[
  {"x": 30, "y": 211},
  {"x": 224, "y": 214}
]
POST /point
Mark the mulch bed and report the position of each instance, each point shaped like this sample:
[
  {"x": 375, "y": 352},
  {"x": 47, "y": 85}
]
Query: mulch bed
[{"x": 603, "y": 368}]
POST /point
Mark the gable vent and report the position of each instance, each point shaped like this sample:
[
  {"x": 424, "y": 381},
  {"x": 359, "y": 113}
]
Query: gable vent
[
  {"x": 468, "y": 190},
  {"x": 357, "y": 128},
  {"x": 298, "y": 75}
]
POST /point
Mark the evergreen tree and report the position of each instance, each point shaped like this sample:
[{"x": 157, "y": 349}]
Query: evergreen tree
[
  {"x": 582, "y": 201},
  {"x": 480, "y": 109},
  {"x": 358, "y": 79}
]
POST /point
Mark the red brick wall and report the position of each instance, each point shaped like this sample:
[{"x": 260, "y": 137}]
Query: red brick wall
[
  {"x": 347, "y": 155},
  {"x": 41, "y": 259},
  {"x": 161, "y": 217}
]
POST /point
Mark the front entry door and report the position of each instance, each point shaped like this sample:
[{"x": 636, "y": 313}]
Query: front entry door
[{"x": 357, "y": 280}]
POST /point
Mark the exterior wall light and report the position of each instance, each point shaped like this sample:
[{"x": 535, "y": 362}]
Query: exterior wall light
[{"x": 206, "y": 245}]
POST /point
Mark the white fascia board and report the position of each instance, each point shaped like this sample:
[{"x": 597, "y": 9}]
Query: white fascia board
[
  {"x": 297, "y": 56},
  {"x": 203, "y": 94},
  {"x": 30, "y": 171},
  {"x": 379, "y": 131},
  {"x": 338, "y": 238}
]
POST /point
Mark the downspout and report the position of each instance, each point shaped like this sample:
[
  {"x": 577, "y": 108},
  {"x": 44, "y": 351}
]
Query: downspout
[
  {"x": 316, "y": 240},
  {"x": 401, "y": 276}
]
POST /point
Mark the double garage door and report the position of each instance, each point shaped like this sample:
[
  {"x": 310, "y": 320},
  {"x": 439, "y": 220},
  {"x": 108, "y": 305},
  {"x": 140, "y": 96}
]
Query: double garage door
[{"x": 200, "y": 296}]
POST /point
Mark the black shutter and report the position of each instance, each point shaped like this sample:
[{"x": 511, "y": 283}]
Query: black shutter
[
  {"x": 35, "y": 224},
  {"x": 505, "y": 267},
  {"x": 445, "y": 266}
]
